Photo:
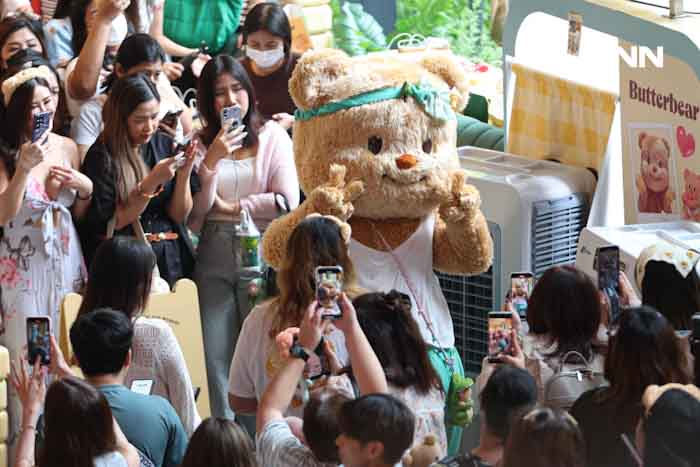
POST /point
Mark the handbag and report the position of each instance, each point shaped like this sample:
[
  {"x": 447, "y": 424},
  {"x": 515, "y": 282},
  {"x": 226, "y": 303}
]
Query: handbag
[
  {"x": 158, "y": 284},
  {"x": 570, "y": 381}
]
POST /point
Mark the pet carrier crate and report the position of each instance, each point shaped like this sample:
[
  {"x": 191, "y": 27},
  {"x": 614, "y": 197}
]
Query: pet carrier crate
[
  {"x": 535, "y": 212},
  {"x": 632, "y": 239}
]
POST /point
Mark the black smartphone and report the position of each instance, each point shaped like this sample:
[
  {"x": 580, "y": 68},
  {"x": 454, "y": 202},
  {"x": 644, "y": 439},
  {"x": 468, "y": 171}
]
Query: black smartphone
[
  {"x": 41, "y": 123},
  {"x": 329, "y": 286},
  {"x": 231, "y": 117},
  {"x": 521, "y": 285},
  {"x": 39, "y": 339},
  {"x": 170, "y": 118},
  {"x": 607, "y": 260},
  {"x": 182, "y": 147},
  {"x": 500, "y": 325}
]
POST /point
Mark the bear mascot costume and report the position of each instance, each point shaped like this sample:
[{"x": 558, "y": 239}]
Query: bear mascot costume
[{"x": 375, "y": 145}]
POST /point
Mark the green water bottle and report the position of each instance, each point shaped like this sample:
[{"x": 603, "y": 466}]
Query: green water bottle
[{"x": 249, "y": 244}]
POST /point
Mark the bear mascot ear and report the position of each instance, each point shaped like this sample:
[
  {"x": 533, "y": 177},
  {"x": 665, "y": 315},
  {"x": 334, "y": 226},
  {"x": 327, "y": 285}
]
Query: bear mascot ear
[
  {"x": 319, "y": 76},
  {"x": 642, "y": 136},
  {"x": 451, "y": 72}
]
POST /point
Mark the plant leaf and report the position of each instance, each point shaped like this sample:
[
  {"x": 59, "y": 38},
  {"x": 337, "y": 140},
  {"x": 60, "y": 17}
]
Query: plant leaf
[{"x": 356, "y": 31}]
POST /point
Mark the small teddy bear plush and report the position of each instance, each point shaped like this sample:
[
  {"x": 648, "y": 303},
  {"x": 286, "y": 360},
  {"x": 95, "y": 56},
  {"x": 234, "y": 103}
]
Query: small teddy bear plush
[
  {"x": 691, "y": 196},
  {"x": 424, "y": 454},
  {"x": 653, "y": 182},
  {"x": 375, "y": 145}
]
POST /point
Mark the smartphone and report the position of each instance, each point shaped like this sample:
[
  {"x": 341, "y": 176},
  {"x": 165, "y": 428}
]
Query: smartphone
[
  {"x": 329, "y": 286},
  {"x": 39, "y": 339},
  {"x": 170, "y": 118},
  {"x": 500, "y": 325},
  {"x": 182, "y": 147},
  {"x": 521, "y": 285},
  {"x": 607, "y": 263},
  {"x": 42, "y": 121},
  {"x": 231, "y": 117},
  {"x": 180, "y": 160}
]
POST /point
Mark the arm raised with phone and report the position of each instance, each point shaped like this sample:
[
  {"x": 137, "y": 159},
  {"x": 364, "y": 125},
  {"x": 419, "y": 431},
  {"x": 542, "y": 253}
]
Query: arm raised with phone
[
  {"x": 13, "y": 185},
  {"x": 366, "y": 367}
]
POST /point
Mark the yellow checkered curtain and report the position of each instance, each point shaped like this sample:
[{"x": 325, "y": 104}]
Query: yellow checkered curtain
[{"x": 553, "y": 118}]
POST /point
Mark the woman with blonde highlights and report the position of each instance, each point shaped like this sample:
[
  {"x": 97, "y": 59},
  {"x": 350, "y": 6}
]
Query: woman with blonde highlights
[
  {"x": 317, "y": 241},
  {"x": 138, "y": 177}
]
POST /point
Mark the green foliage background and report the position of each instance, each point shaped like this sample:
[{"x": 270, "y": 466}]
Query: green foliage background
[{"x": 464, "y": 23}]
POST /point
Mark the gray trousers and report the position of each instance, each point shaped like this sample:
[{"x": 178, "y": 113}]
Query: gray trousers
[{"x": 223, "y": 304}]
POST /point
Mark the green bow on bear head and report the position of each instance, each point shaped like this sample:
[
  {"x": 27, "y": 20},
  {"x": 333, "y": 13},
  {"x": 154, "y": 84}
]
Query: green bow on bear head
[{"x": 436, "y": 103}]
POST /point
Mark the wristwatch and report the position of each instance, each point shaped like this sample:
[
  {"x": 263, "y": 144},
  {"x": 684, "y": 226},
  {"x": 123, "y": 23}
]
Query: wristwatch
[{"x": 297, "y": 351}]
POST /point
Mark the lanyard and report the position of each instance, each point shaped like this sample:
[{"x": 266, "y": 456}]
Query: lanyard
[{"x": 449, "y": 361}]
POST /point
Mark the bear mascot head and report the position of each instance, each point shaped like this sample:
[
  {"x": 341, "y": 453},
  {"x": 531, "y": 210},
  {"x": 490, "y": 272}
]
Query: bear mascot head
[{"x": 375, "y": 146}]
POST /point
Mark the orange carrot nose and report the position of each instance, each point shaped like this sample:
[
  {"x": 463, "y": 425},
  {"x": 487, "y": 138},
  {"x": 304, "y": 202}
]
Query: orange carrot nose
[{"x": 406, "y": 161}]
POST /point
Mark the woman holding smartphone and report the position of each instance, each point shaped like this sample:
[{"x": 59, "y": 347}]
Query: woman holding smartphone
[
  {"x": 137, "y": 179},
  {"x": 316, "y": 241},
  {"x": 40, "y": 257},
  {"x": 255, "y": 171}
]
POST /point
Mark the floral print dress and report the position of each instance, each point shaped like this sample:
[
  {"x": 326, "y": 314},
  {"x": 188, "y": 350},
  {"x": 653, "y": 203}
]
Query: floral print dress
[{"x": 40, "y": 262}]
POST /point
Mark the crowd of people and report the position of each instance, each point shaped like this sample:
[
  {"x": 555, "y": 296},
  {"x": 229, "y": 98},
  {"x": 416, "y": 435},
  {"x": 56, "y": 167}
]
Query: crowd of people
[{"x": 97, "y": 196}]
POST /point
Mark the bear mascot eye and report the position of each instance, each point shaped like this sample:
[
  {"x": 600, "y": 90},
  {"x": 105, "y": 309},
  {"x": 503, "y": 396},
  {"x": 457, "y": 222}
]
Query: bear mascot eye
[
  {"x": 374, "y": 144},
  {"x": 428, "y": 146}
]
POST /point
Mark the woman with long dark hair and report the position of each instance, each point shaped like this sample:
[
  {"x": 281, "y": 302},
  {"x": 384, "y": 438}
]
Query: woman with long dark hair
[
  {"x": 138, "y": 179},
  {"x": 40, "y": 192},
  {"x": 79, "y": 430},
  {"x": 156, "y": 354},
  {"x": 643, "y": 350},
  {"x": 395, "y": 337},
  {"x": 30, "y": 58},
  {"x": 255, "y": 172}
]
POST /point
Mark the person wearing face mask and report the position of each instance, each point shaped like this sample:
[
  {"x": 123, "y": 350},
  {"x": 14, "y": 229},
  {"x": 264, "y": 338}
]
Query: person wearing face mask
[{"x": 270, "y": 61}]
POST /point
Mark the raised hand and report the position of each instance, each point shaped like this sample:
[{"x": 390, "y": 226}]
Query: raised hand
[
  {"x": 312, "y": 327},
  {"x": 336, "y": 198},
  {"x": 31, "y": 390},
  {"x": 226, "y": 142},
  {"x": 110, "y": 9},
  {"x": 164, "y": 171},
  {"x": 284, "y": 119},
  {"x": 463, "y": 200},
  {"x": 173, "y": 70},
  {"x": 33, "y": 154},
  {"x": 68, "y": 177}
]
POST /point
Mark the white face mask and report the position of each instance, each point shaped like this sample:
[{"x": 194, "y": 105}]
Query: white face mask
[{"x": 265, "y": 58}]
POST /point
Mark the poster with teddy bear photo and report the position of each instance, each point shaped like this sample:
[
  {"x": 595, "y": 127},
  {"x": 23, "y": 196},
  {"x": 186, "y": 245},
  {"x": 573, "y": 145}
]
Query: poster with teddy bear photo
[{"x": 655, "y": 181}]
